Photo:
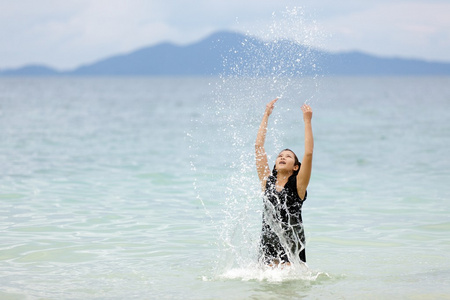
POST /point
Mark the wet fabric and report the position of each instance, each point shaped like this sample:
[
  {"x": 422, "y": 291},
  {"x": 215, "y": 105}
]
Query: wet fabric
[{"x": 282, "y": 229}]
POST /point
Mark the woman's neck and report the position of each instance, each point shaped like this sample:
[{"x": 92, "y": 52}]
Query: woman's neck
[
  {"x": 282, "y": 179},
  {"x": 282, "y": 176}
]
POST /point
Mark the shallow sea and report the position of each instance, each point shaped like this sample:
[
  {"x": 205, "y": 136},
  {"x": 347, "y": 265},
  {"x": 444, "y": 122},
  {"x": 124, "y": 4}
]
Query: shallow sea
[{"x": 145, "y": 188}]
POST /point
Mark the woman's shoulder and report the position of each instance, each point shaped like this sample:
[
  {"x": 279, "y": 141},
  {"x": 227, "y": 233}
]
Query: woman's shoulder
[
  {"x": 292, "y": 181},
  {"x": 292, "y": 186}
]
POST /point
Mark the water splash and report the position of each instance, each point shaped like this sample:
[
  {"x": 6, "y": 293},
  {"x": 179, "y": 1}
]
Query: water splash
[
  {"x": 280, "y": 274},
  {"x": 283, "y": 64},
  {"x": 281, "y": 52},
  {"x": 288, "y": 234}
]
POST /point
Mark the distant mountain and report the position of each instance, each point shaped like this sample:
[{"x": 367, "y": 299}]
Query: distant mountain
[
  {"x": 357, "y": 63},
  {"x": 231, "y": 53},
  {"x": 30, "y": 70}
]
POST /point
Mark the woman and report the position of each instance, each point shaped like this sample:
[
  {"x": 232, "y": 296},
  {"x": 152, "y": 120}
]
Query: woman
[{"x": 283, "y": 238}]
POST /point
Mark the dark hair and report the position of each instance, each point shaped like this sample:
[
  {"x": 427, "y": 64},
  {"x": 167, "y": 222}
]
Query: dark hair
[{"x": 296, "y": 163}]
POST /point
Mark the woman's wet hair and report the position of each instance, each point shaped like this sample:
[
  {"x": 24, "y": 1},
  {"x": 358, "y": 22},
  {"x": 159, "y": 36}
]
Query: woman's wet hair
[{"x": 296, "y": 163}]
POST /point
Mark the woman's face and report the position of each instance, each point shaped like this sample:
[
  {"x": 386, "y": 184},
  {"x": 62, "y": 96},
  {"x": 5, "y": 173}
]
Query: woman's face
[{"x": 286, "y": 161}]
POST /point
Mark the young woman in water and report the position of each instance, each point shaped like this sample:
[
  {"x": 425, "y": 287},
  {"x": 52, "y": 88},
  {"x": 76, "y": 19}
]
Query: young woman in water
[{"x": 283, "y": 238}]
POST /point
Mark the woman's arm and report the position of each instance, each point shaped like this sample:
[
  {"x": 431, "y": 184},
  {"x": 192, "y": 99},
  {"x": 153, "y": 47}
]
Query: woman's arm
[
  {"x": 305, "y": 171},
  {"x": 262, "y": 165}
]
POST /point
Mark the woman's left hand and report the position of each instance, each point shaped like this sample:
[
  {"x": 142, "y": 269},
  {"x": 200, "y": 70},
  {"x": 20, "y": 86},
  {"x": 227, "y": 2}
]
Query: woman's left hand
[{"x": 307, "y": 112}]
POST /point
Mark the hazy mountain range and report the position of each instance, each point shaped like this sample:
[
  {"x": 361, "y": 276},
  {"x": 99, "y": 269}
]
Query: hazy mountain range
[{"x": 230, "y": 53}]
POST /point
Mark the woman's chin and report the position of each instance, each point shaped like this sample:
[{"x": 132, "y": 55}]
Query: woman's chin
[{"x": 283, "y": 168}]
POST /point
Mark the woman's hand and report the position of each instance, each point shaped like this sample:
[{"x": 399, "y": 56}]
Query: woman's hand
[
  {"x": 307, "y": 112},
  {"x": 270, "y": 106}
]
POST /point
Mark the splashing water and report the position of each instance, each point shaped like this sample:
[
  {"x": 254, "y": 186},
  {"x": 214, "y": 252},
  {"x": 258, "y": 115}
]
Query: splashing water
[
  {"x": 287, "y": 233},
  {"x": 282, "y": 52},
  {"x": 253, "y": 75}
]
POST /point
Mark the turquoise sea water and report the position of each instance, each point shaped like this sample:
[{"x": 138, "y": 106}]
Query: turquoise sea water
[{"x": 114, "y": 188}]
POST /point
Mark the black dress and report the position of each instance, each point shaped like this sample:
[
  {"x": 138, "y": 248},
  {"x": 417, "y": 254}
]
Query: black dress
[{"x": 282, "y": 229}]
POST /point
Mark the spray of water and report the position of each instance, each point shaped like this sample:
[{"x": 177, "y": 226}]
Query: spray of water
[{"x": 282, "y": 65}]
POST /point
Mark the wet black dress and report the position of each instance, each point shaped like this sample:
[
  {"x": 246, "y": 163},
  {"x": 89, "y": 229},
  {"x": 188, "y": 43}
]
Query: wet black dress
[{"x": 282, "y": 230}]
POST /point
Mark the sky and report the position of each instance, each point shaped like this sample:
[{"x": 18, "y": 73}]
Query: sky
[{"x": 67, "y": 34}]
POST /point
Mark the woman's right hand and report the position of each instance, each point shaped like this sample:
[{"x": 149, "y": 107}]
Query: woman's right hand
[{"x": 270, "y": 106}]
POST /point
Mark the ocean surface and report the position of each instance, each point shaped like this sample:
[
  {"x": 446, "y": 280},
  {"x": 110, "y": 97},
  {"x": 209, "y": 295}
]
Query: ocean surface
[{"x": 146, "y": 188}]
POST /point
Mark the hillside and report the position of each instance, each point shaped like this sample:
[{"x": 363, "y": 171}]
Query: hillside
[{"x": 231, "y": 53}]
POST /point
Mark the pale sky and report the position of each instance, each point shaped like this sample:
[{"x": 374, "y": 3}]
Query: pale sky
[{"x": 66, "y": 34}]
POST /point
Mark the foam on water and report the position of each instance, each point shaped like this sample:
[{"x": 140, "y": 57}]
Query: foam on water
[{"x": 273, "y": 274}]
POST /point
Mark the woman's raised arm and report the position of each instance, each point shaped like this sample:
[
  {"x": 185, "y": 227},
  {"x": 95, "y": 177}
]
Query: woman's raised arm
[
  {"x": 304, "y": 174},
  {"x": 262, "y": 165}
]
